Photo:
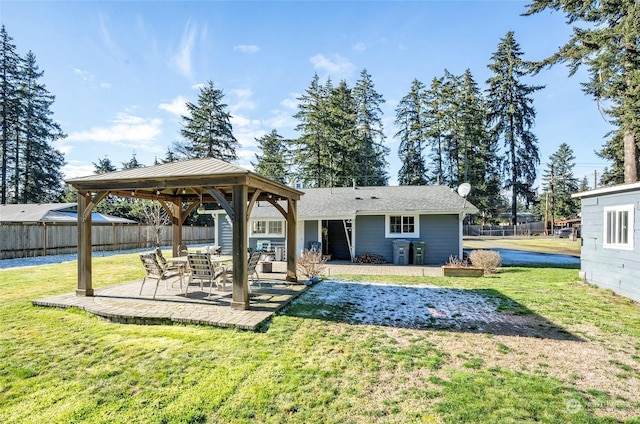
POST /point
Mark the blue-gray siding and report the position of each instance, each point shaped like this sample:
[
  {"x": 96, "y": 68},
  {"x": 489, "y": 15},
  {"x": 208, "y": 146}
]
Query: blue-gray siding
[
  {"x": 310, "y": 233},
  {"x": 439, "y": 232},
  {"x": 225, "y": 235},
  {"x": 615, "y": 269}
]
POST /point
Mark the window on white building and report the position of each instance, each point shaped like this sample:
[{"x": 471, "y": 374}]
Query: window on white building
[{"x": 618, "y": 227}]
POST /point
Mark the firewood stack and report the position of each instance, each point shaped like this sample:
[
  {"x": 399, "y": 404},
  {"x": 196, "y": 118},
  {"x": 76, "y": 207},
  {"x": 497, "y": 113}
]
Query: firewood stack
[{"x": 370, "y": 258}]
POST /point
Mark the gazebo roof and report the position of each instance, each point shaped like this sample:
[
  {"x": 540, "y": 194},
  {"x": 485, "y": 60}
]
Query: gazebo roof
[{"x": 182, "y": 179}]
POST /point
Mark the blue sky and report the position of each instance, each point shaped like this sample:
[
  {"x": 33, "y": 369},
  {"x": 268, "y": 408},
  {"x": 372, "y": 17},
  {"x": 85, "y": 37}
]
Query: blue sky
[{"x": 122, "y": 71}]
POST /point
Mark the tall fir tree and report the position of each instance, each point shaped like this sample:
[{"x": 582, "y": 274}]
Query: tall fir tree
[
  {"x": 480, "y": 164},
  {"x": 38, "y": 175},
  {"x": 512, "y": 116},
  {"x": 311, "y": 150},
  {"x": 372, "y": 152},
  {"x": 435, "y": 122},
  {"x": 10, "y": 62},
  {"x": 207, "y": 129},
  {"x": 273, "y": 162},
  {"x": 412, "y": 134},
  {"x": 341, "y": 136},
  {"x": 607, "y": 44}
]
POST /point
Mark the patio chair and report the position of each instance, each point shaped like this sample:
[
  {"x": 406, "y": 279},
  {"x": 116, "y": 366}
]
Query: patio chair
[
  {"x": 167, "y": 267},
  {"x": 252, "y": 262},
  {"x": 251, "y": 268},
  {"x": 155, "y": 272},
  {"x": 183, "y": 250},
  {"x": 201, "y": 268}
]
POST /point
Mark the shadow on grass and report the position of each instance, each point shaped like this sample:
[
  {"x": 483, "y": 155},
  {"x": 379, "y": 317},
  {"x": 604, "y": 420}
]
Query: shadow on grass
[{"x": 465, "y": 310}]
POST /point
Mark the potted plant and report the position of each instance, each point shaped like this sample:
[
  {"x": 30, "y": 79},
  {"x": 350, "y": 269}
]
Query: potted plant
[{"x": 457, "y": 267}]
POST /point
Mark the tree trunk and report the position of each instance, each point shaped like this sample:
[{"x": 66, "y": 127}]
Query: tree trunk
[{"x": 630, "y": 158}]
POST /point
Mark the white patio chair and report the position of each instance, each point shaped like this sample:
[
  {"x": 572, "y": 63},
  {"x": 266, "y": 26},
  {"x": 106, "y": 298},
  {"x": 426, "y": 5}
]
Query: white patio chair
[{"x": 201, "y": 268}]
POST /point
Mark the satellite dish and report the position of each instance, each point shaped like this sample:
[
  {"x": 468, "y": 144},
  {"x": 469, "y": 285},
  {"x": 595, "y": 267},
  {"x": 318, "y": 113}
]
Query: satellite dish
[{"x": 464, "y": 189}]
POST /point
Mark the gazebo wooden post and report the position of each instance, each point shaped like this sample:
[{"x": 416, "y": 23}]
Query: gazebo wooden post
[
  {"x": 176, "y": 221},
  {"x": 240, "y": 297},
  {"x": 84, "y": 244},
  {"x": 291, "y": 240}
]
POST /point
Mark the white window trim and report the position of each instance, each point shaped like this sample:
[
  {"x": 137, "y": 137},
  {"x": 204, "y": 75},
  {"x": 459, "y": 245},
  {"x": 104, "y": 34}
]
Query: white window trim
[
  {"x": 269, "y": 234},
  {"x": 630, "y": 227},
  {"x": 416, "y": 226}
]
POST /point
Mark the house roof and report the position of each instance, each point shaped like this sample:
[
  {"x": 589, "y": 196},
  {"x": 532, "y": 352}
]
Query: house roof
[
  {"x": 52, "y": 212},
  {"x": 620, "y": 188},
  {"x": 348, "y": 201}
]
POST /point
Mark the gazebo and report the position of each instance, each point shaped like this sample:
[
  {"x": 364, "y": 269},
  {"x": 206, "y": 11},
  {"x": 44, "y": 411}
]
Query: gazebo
[{"x": 180, "y": 187}]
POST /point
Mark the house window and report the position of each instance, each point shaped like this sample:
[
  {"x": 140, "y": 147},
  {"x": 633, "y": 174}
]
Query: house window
[
  {"x": 402, "y": 226},
  {"x": 267, "y": 228},
  {"x": 618, "y": 227}
]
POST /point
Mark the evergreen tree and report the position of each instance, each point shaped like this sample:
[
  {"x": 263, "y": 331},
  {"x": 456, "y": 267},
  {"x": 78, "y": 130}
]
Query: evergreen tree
[
  {"x": 37, "y": 172},
  {"x": 413, "y": 136},
  {"x": 207, "y": 129},
  {"x": 613, "y": 151},
  {"x": 273, "y": 161},
  {"x": 132, "y": 163},
  {"x": 341, "y": 136},
  {"x": 9, "y": 107},
  {"x": 369, "y": 133},
  {"x": 435, "y": 121},
  {"x": 559, "y": 183},
  {"x": 584, "y": 185},
  {"x": 312, "y": 151},
  {"x": 103, "y": 166},
  {"x": 512, "y": 116},
  {"x": 608, "y": 46},
  {"x": 480, "y": 164}
]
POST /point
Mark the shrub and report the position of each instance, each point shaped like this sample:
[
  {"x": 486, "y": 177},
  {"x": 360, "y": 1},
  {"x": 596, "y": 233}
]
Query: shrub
[
  {"x": 489, "y": 260},
  {"x": 310, "y": 264}
]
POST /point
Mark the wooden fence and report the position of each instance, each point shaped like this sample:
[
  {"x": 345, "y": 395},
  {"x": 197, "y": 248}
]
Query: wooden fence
[
  {"x": 21, "y": 240},
  {"x": 528, "y": 229}
]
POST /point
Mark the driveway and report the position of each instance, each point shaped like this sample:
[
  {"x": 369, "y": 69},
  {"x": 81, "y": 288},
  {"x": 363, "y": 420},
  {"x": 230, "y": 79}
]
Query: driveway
[{"x": 514, "y": 257}]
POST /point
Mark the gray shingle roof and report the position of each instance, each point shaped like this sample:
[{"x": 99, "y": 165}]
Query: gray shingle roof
[
  {"x": 51, "y": 212},
  {"x": 347, "y": 202}
]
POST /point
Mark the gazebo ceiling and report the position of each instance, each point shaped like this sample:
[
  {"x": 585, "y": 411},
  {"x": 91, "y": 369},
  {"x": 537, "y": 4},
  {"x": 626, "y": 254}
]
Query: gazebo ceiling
[{"x": 184, "y": 180}]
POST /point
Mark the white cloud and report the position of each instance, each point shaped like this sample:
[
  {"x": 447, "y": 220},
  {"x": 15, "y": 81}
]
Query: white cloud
[
  {"x": 105, "y": 85},
  {"x": 76, "y": 168},
  {"x": 84, "y": 75},
  {"x": 245, "y": 48},
  {"x": 178, "y": 106},
  {"x": 126, "y": 131},
  {"x": 182, "y": 58},
  {"x": 291, "y": 102},
  {"x": 198, "y": 86},
  {"x": 336, "y": 67},
  {"x": 359, "y": 47},
  {"x": 106, "y": 37},
  {"x": 244, "y": 101}
]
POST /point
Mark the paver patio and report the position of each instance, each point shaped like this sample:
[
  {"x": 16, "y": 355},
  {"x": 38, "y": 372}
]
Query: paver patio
[{"x": 122, "y": 303}]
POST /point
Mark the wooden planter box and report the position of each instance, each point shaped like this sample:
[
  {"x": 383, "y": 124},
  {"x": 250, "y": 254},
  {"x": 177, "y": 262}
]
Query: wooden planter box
[{"x": 460, "y": 271}]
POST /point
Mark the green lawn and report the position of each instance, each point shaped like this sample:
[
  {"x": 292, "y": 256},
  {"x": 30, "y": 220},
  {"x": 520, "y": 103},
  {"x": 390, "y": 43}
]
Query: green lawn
[{"x": 313, "y": 365}]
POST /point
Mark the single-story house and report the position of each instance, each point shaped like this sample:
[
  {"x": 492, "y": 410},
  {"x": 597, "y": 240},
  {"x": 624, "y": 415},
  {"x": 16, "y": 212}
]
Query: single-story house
[
  {"x": 50, "y": 229},
  {"x": 52, "y": 212},
  {"x": 348, "y": 222},
  {"x": 610, "y": 253}
]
